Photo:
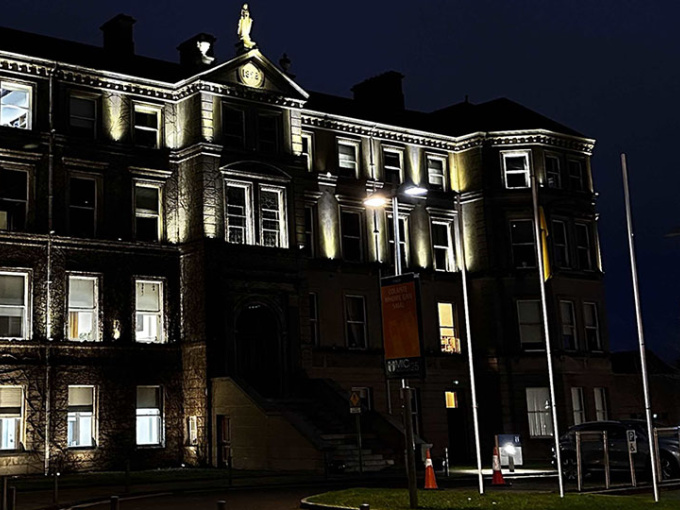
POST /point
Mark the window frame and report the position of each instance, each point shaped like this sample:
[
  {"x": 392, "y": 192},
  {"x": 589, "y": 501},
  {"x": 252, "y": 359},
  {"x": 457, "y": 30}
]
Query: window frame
[
  {"x": 530, "y": 346},
  {"x": 148, "y": 108},
  {"x": 227, "y": 137},
  {"x": 76, "y": 414},
  {"x": 96, "y": 179},
  {"x": 309, "y": 247},
  {"x": 248, "y": 213},
  {"x": 363, "y": 322},
  {"x": 280, "y": 191},
  {"x": 595, "y": 327},
  {"x": 79, "y": 131},
  {"x": 557, "y": 175},
  {"x": 514, "y": 244},
  {"x": 27, "y": 306},
  {"x": 278, "y": 126},
  {"x": 451, "y": 262},
  {"x": 443, "y": 160},
  {"x": 18, "y": 86},
  {"x": 19, "y": 421},
  {"x": 309, "y": 155},
  {"x": 578, "y": 408},
  {"x": 361, "y": 219},
  {"x": 158, "y": 418},
  {"x": 314, "y": 324},
  {"x": 162, "y": 335},
  {"x": 601, "y": 411},
  {"x": 526, "y": 154},
  {"x": 25, "y": 202},
  {"x": 586, "y": 249},
  {"x": 559, "y": 247},
  {"x": 571, "y": 325},
  {"x": 454, "y": 343},
  {"x": 578, "y": 179},
  {"x": 95, "y": 311},
  {"x": 356, "y": 146},
  {"x": 545, "y": 413},
  {"x": 144, "y": 213},
  {"x": 404, "y": 241},
  {"x": 399, "y": 153}
]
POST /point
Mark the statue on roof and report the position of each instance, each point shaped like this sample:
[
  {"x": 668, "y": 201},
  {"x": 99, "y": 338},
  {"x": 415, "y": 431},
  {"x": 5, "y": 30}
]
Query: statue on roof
[{"x": 245, "y": 25}]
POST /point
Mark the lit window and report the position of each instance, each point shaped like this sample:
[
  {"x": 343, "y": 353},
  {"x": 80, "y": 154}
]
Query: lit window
[
  {"x": 355, "y": 322},
  {"x": 538, "y": 412},
  {"x": 601, "y": 408},
  {"x": 233, "y": 127},
  {"x": 552, "y": 170},
  {"x": 569, "y": 339},
  {"x": 583, "y": 253},
  {"x": 149, "y": 416},
  {"x": 436, "y": 174},
  {"x": 82, "y": 308},
  {"x": 147, "y": 124},
  {"x": 448, "y": 336},
  {"x": 522, "y": 239},
  {"x": 308, "y": 150},
  {"x": 314, "y": 318},
  {"x": 149, "y": 311},
  {"x": 82, "y": 206},
  {"x": 268, "y": 132},
  {"x": 516, "y": 169},
  {"x": 579, "y": 411},
  {"x": 351, "y": 232},
  {"x": 239, "y": 219},
  {"x": 13, "y": 199},
  {"x": 560, "y": 243},
  {"x": 192, "y": 430},
  {"x": 147, "y": 212},
  {"x": 442, "y": 245},
  {"x": 81, "y": 416},
  {"x": 83, "y": 116},
  {"x": 11, "y": 410},
  {"x": 403, "y": 240},
  {"x": 348, "y": 158},
  {"x": 13, "y": 305},
  {"x": 575, "y": 175},
  {"x": 393, "y": 163},
  {"x": 592, "y": 326},
  {"x": 309, "y": 226},
  {"x": 530, "y": 324},
  {"x": 272, "y": 217},
  {"x": 451, "y": 399},
  {"x": 15, "y": 105}
]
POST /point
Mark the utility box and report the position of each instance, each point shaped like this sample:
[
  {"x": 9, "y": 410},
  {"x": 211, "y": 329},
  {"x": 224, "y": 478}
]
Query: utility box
[{"x": 510, "y": 445}]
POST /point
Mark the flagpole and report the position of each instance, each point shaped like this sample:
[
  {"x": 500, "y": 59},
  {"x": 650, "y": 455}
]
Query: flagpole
[
  {"x": 546, "y": 332},
  {"x": 468, "y": 335},
  {"x": 641, "y": 335}
]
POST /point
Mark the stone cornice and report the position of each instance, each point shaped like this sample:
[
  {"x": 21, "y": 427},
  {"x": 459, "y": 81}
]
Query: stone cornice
[{"x": 541, "y": 137}]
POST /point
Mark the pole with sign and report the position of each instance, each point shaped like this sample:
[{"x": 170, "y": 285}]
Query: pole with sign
[{"x": 355, "y": 409}]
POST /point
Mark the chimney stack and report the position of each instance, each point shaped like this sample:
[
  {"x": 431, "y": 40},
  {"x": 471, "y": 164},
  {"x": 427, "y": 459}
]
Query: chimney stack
[
  {"x": 382, "y": 92},
  {"x": 198, "y": 52},
  {"x": 118, "y": 39}
]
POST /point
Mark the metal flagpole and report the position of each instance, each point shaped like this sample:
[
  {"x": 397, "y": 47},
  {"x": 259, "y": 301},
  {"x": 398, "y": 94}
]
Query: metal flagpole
[
  {"x": 546, "y": 332},
  {"x": 473, "y": 388},
  {"x": 641, "y": 335}
]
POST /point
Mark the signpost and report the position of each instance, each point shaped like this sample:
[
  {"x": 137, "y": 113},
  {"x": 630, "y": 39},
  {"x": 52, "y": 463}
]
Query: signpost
[
  {"x": 355, "y": 409},
  {"x": 632, "y": 448}
]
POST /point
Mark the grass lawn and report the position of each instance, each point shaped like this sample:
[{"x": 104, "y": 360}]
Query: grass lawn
[{"x": 454, "y": 499}]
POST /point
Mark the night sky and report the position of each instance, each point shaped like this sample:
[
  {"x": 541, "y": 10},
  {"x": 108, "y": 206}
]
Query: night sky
[{"x": 607, "y": 68}]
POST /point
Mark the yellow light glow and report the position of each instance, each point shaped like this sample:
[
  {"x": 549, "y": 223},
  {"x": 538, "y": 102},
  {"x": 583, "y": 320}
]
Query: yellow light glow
[
  {"x": 375, "y": 201},
  {"x": 414, "y": 155},
  {"x": 328, "y": 226},
  {"x": 116, "y": 116},
  {"x": 451, "y": 399}
]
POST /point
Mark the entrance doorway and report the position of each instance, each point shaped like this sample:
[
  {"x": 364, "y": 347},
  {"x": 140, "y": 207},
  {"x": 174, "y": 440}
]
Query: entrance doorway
[{"x": 456, "y": 414}]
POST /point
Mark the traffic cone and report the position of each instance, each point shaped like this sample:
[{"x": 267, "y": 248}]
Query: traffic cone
[
  {"x": 497, "y": 478},
  {"x": 430, "y": 480}
]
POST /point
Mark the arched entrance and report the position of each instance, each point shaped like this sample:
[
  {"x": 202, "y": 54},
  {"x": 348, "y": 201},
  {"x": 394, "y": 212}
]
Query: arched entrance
[{"x": 259, "y": 361}]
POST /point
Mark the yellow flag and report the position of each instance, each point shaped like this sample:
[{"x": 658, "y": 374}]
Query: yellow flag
[{"x": 544, "y": 244}]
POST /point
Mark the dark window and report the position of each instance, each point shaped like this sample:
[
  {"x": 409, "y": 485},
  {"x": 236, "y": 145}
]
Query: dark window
[
  {"x": 592, "y": 326},
  {"x": 147, "y": 126},
  {"x": 13, "y": 199},
  {"x": 569, "y": 340},
  {"x": 585, "y": 261},
  {"x": 348, "y": 158},
  {"x": 552, "y": 170},
  {"x": 268, "y": 132},
  {"x": 403, "y": 241},
  {"x": 522, "y": 238},
  {"x": 147, "y": 213},
  {"x": 82, "y": 207},
  {"x": 233, "y": 127},
  {"x": 530, "y": 324},
  {"x": 576, "y": 175},
  {"x": 83, "y": 116},
  {"x": 308, "y": 248},
  {"x": 560, "y": 244},
  {"x": 355, "y": 319},
  {"x": 442, "y": 246},
  {"x": 392, "y": 166},
  {"x": 352, "y": 249},
  {"x": 313, "y": 318}
]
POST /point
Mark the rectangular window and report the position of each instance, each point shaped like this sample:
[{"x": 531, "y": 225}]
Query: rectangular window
[
  {"x": 348, "y": 158},
  {"x": 569, "y": 339},
  {"x": 583, "y": 253},
  {"x": 233, "y": 127},
  {"x": 516, "y": 169},
  {"x": 403, "y": 240},
  {"x": 268, "y": 132},
  {"x": 83, "y": 116},
  {"x": 81, "y": 416},
  {"x": 448, "y": 336},
  {"x": 82, "y": 206},
  {"x": 11, "y": 417},
  {"x": 15, "y": 105},
  {"x": 83, "y": 313},
  {"x": 192, "y": 430},
  {"x": 351, "y": 231},
  {"x": 575, "y": 175},
  {"x": 308, "y": 150},
  {"x": 149, "y": 311},
  {"x": 451, "y": 399},
  {"x": 552, "y": 170},
  {"x": 530, "y": 324},
  {"x": 147, "y": 126},
  {"x": 308, "y": 248},
  {"x": 149, "y": 416},
  {"x": 522, "y": 240},
  {"x": 538, "y": 412},
  {"x": 393, "y": 166},
  {"x": 560, "y": 243},
  {"x": 442, "y": 245},
  {"x": 272, "y": 217},
  {"x": 13, "y": 305},
  {"x": 355, "y": 322},
  {"x": 579, "y": 410},
  {"x": 601, "y": 407},
  {"x": 314, "y": 318},
  {"x": 239, "y": 219},
  {"x": 592, "y": 326},
  {"x": 13, "y": 199},
  {"x": 436, "y": 172},
  {"x": 147, "y": 212}
]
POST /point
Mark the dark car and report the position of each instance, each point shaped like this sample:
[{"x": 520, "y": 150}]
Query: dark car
[{"x": 592, "y": 449}]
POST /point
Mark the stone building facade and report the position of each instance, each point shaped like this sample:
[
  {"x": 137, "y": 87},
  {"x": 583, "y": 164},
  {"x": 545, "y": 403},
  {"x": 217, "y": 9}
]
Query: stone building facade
[{"x": 188, "y": 272}]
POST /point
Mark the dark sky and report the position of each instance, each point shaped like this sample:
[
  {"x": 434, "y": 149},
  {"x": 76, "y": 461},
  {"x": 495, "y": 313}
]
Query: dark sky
[{"x": 608, "y": 68}]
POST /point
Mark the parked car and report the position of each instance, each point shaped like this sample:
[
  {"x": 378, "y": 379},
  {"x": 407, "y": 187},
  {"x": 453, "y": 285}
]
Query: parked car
[{"x": 592, "y": 450}]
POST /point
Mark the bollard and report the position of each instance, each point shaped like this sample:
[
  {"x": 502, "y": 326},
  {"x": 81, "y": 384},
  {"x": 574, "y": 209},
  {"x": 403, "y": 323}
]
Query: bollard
[
  {"x": 221, "y": 505},
  {"x": 55, "y": 491},
  {"x": 511, "y": 463},
  {"x": 12, "y": 498},
  {"x": 115, "y": 502},
  {"x": 365, "y": 506}
]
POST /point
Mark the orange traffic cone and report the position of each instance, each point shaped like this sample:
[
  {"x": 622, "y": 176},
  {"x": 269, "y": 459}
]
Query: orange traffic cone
[
  {"x": 497, "y": 478},
  {"x": 430, "y": 480}
]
